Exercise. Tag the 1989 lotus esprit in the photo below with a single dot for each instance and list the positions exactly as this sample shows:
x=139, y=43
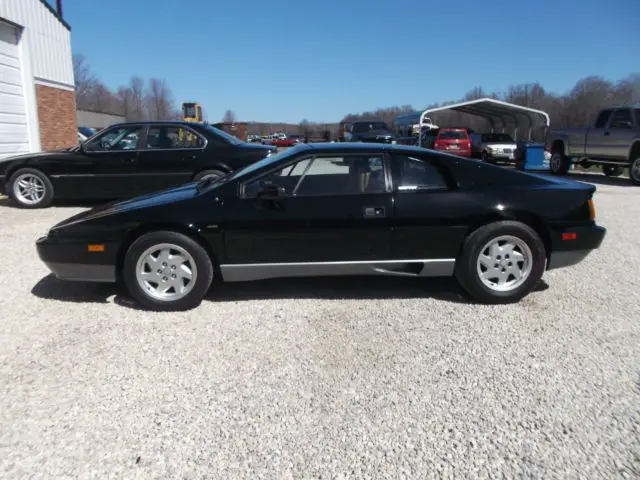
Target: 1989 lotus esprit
x=334, y=209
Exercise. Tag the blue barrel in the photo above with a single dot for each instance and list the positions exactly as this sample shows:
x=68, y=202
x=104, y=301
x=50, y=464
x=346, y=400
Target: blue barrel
x=530, y=156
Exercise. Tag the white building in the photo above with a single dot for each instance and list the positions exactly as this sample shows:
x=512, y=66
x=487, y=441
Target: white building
x=37, y=100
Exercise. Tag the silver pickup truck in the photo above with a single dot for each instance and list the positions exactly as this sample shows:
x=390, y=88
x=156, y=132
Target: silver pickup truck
x=613, y=142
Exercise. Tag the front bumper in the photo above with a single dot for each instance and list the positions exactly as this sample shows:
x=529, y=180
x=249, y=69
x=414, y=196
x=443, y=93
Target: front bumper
x=571, y=251
x=70, y=259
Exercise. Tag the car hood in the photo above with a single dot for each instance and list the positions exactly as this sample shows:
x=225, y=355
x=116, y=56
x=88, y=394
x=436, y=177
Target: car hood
x=34, y=155
x=183, y=192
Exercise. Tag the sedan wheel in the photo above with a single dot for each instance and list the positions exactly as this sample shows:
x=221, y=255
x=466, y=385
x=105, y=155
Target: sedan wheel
x=501, y=262
x=167, y=270
x=30, y=188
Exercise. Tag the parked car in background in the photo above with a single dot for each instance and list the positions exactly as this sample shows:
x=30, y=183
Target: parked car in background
x=374, y=131
x=84, y=133
x=613, y=142
x=312, y=208
x=125, y=160
x=493, y=147
x=285, y=141
x=453, y=140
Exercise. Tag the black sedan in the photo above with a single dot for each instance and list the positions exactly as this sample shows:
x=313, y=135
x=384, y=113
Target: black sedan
x=334, y=209
x=125, y=160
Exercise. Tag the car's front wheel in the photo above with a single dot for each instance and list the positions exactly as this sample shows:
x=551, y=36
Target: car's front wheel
x=501, y=262
x=167, y=270
x=559, y=163
x=30, y=188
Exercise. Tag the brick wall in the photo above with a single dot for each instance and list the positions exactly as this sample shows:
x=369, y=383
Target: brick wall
x=57, y=117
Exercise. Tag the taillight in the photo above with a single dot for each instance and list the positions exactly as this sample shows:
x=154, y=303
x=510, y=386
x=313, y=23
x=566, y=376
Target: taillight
x=592, y=209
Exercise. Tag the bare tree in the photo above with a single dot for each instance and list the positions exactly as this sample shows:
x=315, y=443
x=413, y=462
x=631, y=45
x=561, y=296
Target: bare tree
x=229, y=117
x=159, y=100
x=125, y=98
x=136, y=87
x=85, y=81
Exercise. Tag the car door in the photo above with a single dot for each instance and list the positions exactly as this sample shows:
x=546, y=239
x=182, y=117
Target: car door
x=330, y=208
x=597, y=140
x=169, y=157
x=105, y=165
x=620, y=134
x=429, y=213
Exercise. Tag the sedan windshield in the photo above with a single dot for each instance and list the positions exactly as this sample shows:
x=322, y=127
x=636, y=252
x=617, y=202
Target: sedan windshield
x=367, y=127
x=226, y=136
x=453, y=134
x=497, y=137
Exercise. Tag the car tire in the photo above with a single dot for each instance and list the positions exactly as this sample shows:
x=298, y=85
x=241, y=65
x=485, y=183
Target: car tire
x=148, y=270
x=30, y=188
x=208, y=174
x=559, y=163
x=612, y=170
x=634, y=170
x=522, y=251
x=486, y=158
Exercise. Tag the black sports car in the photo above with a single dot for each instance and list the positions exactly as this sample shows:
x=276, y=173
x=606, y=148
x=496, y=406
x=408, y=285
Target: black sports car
x=125, y=160
x=334, y=209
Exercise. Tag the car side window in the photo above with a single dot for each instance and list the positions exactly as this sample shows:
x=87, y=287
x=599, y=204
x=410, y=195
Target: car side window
x=115, y=139
x=321, y=176
x=622, y=119
x=603, y=118
x=169, y=137
x=415, y=174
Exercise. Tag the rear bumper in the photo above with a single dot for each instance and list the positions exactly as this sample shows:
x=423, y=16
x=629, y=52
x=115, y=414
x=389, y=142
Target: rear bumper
x=566, y=253
x=70, y=260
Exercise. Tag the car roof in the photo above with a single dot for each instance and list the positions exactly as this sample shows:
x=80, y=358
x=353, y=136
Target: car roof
x=157, y=122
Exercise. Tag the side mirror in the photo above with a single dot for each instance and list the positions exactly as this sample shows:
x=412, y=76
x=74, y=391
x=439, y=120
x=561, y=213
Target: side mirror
x=270, y=191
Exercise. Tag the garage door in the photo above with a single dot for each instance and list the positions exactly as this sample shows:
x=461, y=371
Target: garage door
x=13, y=114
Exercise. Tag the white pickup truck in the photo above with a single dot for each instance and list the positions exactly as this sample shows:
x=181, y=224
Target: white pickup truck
x=613, y=142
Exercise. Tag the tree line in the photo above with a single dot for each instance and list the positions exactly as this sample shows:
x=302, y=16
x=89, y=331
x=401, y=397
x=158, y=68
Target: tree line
x=137, y=100
x=153, y=100
x=575, y=108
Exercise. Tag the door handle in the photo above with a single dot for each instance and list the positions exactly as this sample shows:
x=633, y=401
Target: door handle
x=373, y=212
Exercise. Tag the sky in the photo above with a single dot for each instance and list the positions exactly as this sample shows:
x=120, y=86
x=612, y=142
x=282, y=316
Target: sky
x=284, y=61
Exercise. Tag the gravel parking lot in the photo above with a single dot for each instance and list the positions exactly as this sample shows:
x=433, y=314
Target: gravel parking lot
x=322, y=378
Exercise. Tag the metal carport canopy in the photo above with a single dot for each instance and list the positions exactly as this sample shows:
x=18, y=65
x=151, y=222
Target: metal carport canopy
x=492, y=110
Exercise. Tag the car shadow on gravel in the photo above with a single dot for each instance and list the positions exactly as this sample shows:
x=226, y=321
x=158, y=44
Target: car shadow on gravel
x=322, y=288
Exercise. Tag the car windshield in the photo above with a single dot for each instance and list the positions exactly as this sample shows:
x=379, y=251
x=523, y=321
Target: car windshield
x=497, y=137
x=369, y=126
x=453, y=134
x=221, y=133
x=265, y=162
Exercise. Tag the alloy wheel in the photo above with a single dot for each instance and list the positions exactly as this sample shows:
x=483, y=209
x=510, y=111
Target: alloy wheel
x=29, y=189
x=166, y=272
x=504, y=263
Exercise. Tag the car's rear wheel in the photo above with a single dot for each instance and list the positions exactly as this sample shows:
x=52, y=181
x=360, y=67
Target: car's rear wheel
x=634, y=170
x=166, y=270
x=30, y=188
x=612, y=170
x=212, y=174
x=501, y=262
x=559, y=163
